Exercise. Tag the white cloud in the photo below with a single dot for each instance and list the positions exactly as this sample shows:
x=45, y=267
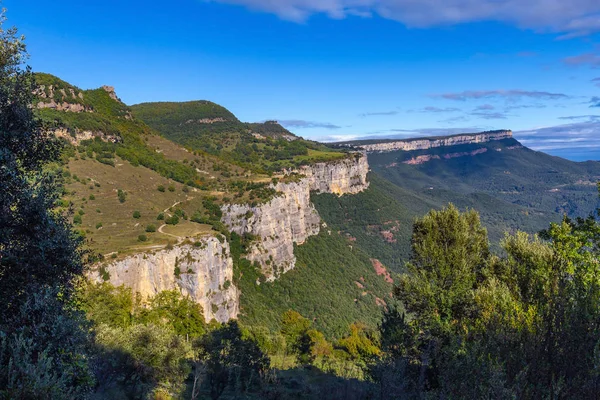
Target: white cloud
x=571, y=18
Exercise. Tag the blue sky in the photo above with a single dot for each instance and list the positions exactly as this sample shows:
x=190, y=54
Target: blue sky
x=342, y=69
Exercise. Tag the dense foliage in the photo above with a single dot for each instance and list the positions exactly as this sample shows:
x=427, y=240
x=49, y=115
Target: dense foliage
x=478, y=326
x=42, y=341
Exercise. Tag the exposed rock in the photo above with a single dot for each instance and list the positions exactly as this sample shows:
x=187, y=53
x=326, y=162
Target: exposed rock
x=286, y=219
x=348, y=176
x=381, y=270
x=75, y=137
x=428, y=157
x=64, y=106
x=111, y=92
x=426, y=143
x=204, y=273
x=290, y=218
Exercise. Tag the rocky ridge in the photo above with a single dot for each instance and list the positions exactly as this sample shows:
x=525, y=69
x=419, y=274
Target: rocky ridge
x=429, y=143
x=290, y=218
x=203, y=271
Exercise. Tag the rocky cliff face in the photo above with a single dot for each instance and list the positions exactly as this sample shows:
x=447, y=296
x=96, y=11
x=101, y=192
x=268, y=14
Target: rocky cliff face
x=424, y=144
x=348, y=176
x=290, y=218
x=77, y=136
x=203, y=271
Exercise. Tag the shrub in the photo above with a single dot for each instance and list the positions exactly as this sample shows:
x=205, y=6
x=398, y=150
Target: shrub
x=99, y=225
x=81, y=212
x=92, y=197
x=171, y=188
x=77, y=220
x=142, y=238
x=161, y=188
x=136, y=214
x=151, y=228
x=174, y=220
x=160, y=217
x=121, y=195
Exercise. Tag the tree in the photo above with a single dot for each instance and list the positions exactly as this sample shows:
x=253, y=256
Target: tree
x=43, y=342
x=37, y=246
x=231, y=360
x=523, y=326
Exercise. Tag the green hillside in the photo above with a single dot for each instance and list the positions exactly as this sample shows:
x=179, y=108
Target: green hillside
x=511, y=187
x=206, y=126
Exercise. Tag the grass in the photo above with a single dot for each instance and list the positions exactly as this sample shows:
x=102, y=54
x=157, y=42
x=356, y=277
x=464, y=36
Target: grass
x=119, y=231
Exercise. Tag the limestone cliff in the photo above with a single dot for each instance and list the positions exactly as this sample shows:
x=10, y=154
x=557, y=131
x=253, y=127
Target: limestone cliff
x=429, y=143
x=290, y=218
x=203, y=271
x=348, y=176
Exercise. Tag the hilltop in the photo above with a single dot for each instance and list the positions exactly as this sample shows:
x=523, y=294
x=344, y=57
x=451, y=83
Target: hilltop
x=265, y=147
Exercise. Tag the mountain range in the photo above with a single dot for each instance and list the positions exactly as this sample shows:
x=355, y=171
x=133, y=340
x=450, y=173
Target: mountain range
x=250, y=220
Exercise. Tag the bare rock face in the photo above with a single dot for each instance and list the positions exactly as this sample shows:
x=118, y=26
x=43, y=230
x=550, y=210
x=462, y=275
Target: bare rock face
x=75, y=137
x=111, y=92
x=424, y=144
x=290, y=218
x=348, y=176
x=203, y=272
x=64, y=106
x=286, y=219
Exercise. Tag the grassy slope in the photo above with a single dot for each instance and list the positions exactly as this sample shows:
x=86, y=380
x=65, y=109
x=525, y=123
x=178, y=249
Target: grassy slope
x=202, y=125
x=323, y=288
x=120, y=231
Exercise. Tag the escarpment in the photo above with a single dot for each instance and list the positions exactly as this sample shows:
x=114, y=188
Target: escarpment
x=203, y=271
x=290, y=218
x=430, y=143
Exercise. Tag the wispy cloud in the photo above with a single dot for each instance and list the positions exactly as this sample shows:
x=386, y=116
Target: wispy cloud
x=594, y=102
x=570, y=18
x=489, y=115
x=435, y=110
x=506, y=94
x=379, y=113
x=576, y=117
x=596, y=81
x=485, y=107
x=591, y=59
x=522, y=106
x=576, y=135
x=303, y=124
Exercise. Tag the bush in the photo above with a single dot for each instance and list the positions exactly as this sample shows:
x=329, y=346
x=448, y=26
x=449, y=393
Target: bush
x=160, y=217
x=99, y=225
x=92, y=197
x=161, y=188
x=174, y=220
x=151, y=228
x=142, y=238
x=171, y=188
x=136, y=214
x=77, y=220
x=121, y=195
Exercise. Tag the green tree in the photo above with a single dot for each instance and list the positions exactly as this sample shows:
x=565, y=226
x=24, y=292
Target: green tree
x=37, y=246
x=231, y=360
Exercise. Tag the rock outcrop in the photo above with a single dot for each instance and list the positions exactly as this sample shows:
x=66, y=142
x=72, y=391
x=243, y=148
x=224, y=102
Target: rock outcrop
x=290, y=218
x=203, y=271
x=348, y=176
x=429, y=143
x=76, y=136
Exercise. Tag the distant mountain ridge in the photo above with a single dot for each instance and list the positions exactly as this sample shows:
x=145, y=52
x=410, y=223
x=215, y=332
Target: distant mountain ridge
x=425, y=143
